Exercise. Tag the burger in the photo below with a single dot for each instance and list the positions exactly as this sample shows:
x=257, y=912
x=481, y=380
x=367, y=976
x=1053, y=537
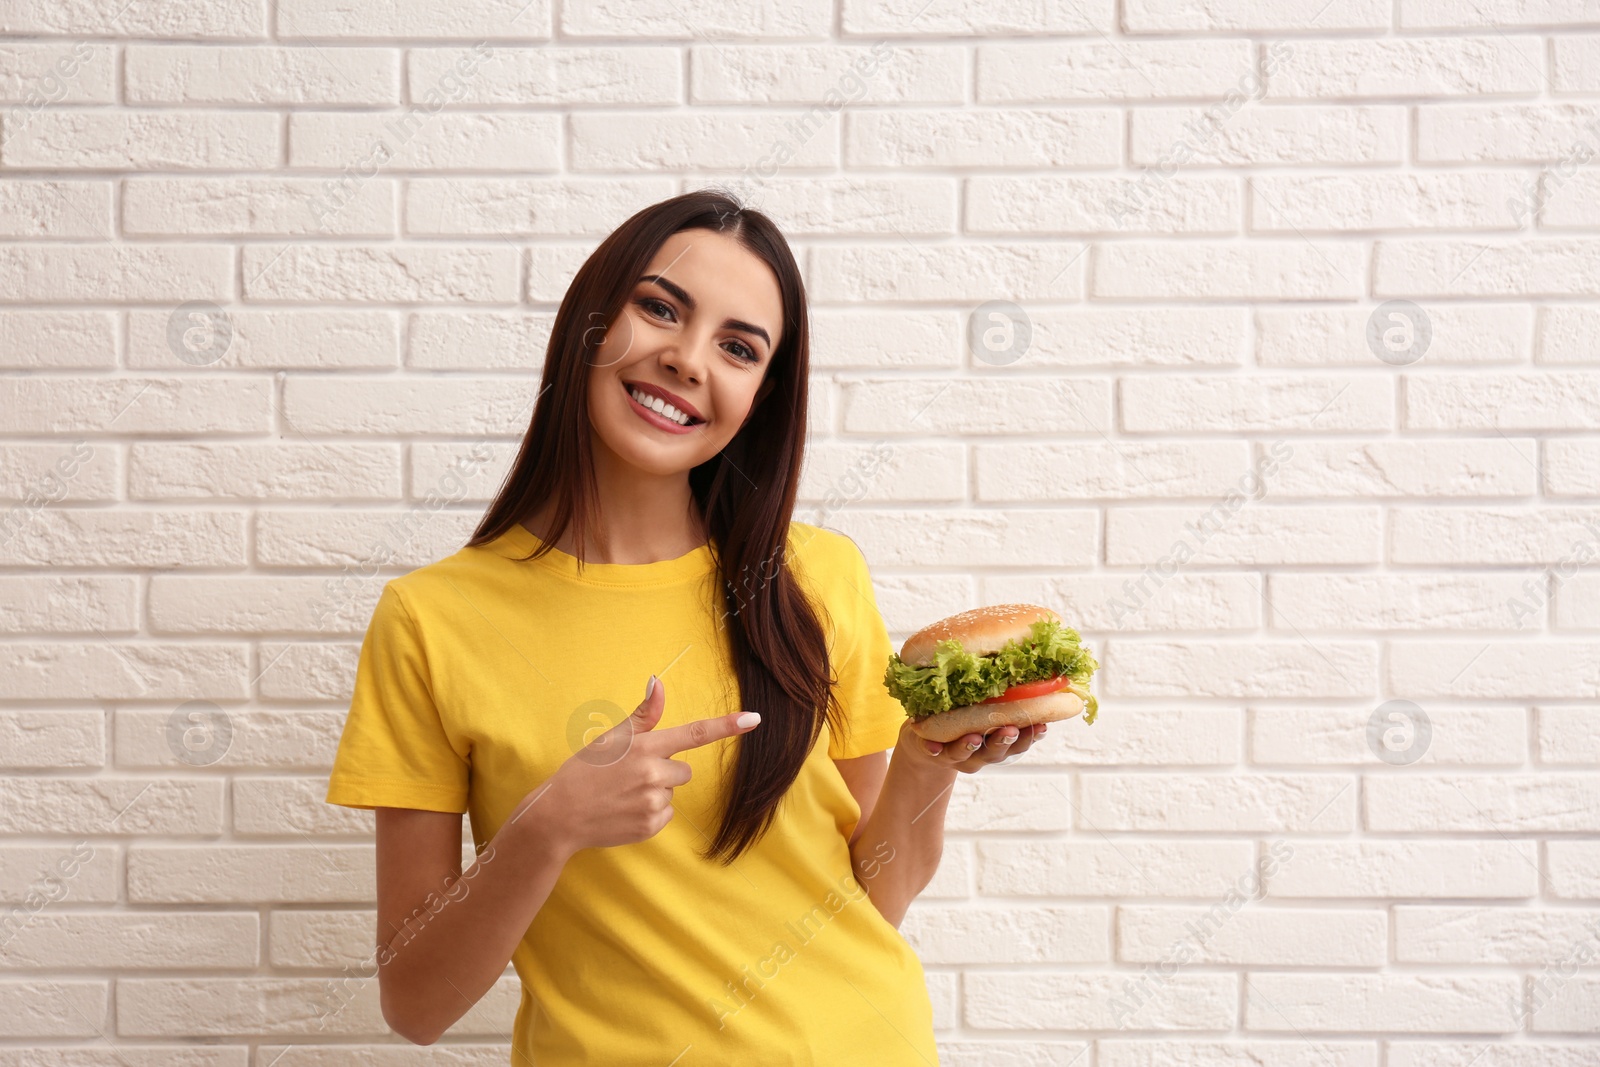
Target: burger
x=1000, y=665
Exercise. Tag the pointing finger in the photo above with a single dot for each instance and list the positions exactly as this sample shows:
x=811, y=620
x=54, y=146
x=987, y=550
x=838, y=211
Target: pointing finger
x=701, y=732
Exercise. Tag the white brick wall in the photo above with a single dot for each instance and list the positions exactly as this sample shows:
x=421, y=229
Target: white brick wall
x=1264, y=530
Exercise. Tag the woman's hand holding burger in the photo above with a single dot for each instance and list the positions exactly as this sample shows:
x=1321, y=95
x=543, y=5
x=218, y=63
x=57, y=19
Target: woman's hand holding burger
x=981, y=686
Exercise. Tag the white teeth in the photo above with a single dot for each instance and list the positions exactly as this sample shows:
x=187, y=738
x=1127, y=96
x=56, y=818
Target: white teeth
x=660, y=407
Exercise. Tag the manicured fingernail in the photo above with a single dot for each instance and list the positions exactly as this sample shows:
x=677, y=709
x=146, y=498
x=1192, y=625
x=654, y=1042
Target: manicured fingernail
x=749, y=718
x=650, y=687
x=933, y=747
x=1007, y=740
x=973, y=747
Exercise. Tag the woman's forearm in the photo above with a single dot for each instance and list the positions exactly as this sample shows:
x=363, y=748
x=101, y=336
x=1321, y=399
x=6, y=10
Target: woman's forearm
x=908, y=817
x=453, y=948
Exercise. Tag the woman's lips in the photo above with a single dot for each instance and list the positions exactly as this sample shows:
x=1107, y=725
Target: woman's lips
x=660, y=422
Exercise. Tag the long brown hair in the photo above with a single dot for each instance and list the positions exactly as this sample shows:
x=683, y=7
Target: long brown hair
x=746, y=494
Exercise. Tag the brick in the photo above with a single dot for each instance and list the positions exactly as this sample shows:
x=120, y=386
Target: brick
x=1097, y=1001
x=53, y=1008
x=1503, y=133
x=274, y=604
x=79, y=873
x=323, y=939
x=1338, y=736
x=861, y=205
x=1574, y=868
x=51, y=340
x=477, y=340
x=1385, y=68
x=806, y=74
x=249, y=207
x=1140, y=668
x=874, y=338
x=1069, y=137
x=410, y=406
x=1219, y=270
x=1406, y=1003
x=107, y=670
x=1019, y=405
x=912, y=17
x=1516, y=669
x=1540, y=400
x=123, y=538
x=1009, y=803
x=1296, y=204
x=1567, y=335
x=630, y=142
x=1152, y=16
x=1572, y=1007
x=132, y=942
x=1409, y=868
x=34, y=476
x=1418, y=14
x=245, y=472
x=847, y=474
x=251, y=874
x=559, y=77
x=1265, y=403
x=1255, y=535
x=51, y=740
x=1568, y=735
x=532, y=207
x=1522, y=937
x=1254, y=134
x=1010, y=934
x=1525, y=803
x=1493, y=535
x=288, y=339
x=111, y=806
x=1074, y=205
x=551, y=269
x=1032, y=537
x=1338, y=336
x=713, y=18
x=366, y=142
x=1564, y=203
x=1089, y=867
x=1180, y=803
x=1457, y=467
x=381, y=273
x=100, y=406
x=140, y=140
x=68, y=604
x=41, y=273
x=37, y=75
x=1032, y=73
x=1242, y=934
x=1299, y=1052
x=470, y=19
x=51, y=209
x=1353, y=603
x=356, y=540
x=229, y=19
x=1421, y=268
x=203, y=74
x=1079, y=470
x=307, y=671
x=288, y=739
x=945, y=273
x=1575, y=63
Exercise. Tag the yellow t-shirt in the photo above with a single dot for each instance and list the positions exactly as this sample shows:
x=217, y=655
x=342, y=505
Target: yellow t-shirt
x=480, y=674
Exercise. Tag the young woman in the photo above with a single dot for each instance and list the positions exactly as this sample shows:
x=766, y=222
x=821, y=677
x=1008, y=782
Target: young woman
x=715, y=874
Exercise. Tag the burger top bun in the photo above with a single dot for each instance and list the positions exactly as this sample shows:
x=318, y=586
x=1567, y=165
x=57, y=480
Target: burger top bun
x=981, y=631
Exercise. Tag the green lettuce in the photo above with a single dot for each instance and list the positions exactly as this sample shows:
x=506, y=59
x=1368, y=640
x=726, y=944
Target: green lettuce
x=958, y=678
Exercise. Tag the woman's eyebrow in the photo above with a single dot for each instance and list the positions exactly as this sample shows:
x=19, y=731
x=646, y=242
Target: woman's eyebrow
x=687, y=301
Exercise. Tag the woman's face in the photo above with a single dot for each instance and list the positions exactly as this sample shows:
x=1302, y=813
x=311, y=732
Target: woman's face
x=701, y=324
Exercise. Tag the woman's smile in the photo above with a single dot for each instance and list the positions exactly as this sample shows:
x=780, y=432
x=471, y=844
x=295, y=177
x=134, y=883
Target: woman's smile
x=655, y=418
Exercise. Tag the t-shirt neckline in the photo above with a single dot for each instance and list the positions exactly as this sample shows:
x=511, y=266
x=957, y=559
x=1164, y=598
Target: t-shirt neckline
x=520, y=541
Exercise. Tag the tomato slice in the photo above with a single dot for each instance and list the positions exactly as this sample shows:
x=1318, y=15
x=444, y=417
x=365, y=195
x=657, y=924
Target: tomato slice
x=1031, y=689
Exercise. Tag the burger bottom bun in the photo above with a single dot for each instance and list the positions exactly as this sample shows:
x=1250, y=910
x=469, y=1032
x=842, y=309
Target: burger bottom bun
x=981, y=718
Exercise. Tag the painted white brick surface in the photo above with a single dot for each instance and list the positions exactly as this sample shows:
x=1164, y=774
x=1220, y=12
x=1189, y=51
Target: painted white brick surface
x=1308, y=422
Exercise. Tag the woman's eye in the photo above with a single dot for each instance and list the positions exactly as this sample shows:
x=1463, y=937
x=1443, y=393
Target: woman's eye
x=659, y=308
x=742, y=350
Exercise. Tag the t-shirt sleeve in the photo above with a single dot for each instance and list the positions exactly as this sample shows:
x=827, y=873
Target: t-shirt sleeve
x=394, y=751
x=861, y=655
